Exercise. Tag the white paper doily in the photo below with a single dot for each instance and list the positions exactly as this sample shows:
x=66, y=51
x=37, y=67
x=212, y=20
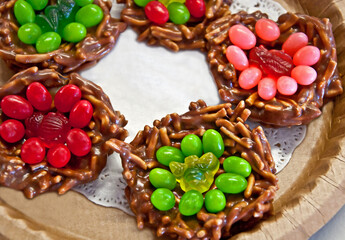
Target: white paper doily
x=145, y=83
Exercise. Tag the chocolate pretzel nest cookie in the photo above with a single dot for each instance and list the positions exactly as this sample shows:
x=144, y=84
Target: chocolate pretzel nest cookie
x=173, y=24
x=63, y=35
x=53, y=129
x=285, y=70
x=207, y=190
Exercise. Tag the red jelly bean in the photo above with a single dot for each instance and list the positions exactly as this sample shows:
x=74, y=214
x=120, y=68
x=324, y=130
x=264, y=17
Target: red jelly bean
x=33, y=123
x=16, y=107
x=67, y=97
x=249, y=78
x=81, y=114
x=294, y=43
x=267, y=30
x=197, y=8
x=242, y=37
x=237, y=57
x=156, y=12
x=78, y=142
x=304, y=75
x=38, y=96
x=12, y=130
x=58, y=156
x=308, y=55
x=33, y=151
x=286, y=85
x=267, y=88
x=54, y=129
x=274, y=62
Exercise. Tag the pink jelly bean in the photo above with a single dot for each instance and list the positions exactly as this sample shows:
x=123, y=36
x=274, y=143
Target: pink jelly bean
x=242, y=37
x=237, y=57
x=304, y=75
x=267, y=30
x=267, y=88
x=249, y=78
x=286, y=85
x=308, y=55
x=294, y=43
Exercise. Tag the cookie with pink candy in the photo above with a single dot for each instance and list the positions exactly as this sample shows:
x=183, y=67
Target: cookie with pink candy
x=285, y=70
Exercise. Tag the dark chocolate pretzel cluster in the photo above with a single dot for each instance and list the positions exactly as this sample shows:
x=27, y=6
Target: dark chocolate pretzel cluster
x=242, y=211
x=173, y=36
x=305, y=104
x=34, y=179
x=69, y=57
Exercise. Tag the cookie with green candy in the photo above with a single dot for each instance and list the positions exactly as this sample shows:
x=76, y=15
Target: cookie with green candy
x=174, y=24
x=200, y=175
x=64, y=35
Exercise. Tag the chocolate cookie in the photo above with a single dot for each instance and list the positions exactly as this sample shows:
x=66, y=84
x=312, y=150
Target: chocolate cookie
x=70, y=56
x=38, y=162
x=242, y=210
x=281, y=110
x=189, y=35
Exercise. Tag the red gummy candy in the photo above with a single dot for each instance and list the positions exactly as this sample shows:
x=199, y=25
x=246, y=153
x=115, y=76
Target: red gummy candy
x=274, y=63
x=54, y=129
x=33, y=123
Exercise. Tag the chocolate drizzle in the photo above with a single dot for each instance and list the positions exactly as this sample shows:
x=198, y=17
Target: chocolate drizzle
x=69, y=57
x=242, y=210
x=170, y=35
x=105, y=124
x=304, y=105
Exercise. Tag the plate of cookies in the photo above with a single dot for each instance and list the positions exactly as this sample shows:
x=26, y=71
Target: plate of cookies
x=170, y=119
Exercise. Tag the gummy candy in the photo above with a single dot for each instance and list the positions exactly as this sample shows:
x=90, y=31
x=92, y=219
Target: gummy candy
x=196, y=173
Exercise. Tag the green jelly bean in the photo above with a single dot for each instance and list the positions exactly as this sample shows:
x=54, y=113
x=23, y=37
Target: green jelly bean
x=237, y=165
x=74, y=32
x=191, y=145
x=38, y=5
x=215, y=201
x=213, y=142
x=29, y=33
x=163, y=199
x=167, y=154
x=90, y=15
x=43, y=22
x=142, y=3
x=23, y=12
x=167, y=2
x=162, y=178
x=178, y=13
x=83, y=3
x=231, y=183
x=191, y=203
x=48, y=42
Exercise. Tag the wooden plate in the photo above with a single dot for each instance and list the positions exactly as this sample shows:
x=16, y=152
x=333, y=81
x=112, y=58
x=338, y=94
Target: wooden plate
x=312, y=186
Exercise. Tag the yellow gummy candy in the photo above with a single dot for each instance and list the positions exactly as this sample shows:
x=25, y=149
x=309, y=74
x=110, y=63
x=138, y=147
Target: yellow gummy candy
x=196, y=173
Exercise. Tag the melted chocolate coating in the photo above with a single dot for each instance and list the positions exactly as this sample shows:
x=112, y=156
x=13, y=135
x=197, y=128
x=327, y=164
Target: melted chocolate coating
x=305, y=104
x=69, y=57
x=242, y=210
x=172, y=36
x=105, y=124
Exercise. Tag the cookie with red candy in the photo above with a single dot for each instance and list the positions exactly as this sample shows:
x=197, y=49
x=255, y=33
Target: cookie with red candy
x=174, y=24
x=52, y=131
x=285, y=70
